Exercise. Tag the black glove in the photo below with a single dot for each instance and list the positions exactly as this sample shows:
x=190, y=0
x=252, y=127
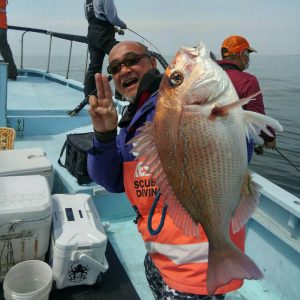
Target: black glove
x=121, y=32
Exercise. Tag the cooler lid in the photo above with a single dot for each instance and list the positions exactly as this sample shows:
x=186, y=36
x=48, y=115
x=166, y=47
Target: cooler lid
x=23, y=161
x=24, y=198
x=76, y=223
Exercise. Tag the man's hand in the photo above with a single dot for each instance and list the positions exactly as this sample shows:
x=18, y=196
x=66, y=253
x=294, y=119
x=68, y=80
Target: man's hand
x=102, y=111
x=270, y=145
x=120, y=31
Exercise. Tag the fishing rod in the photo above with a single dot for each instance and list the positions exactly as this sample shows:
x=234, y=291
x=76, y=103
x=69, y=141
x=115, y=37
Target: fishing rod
x=85, y=101
x=286, y=159
x=259, y=150
x=143, y=39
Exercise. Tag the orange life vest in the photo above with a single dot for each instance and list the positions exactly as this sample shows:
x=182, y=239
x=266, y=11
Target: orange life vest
x=181, y=259
x=3, y=20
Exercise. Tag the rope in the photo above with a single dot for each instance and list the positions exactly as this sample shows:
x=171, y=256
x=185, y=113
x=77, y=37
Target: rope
x=163, y=216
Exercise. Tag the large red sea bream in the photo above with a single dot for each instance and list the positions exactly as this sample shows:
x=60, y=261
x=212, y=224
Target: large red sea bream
x=196, y=151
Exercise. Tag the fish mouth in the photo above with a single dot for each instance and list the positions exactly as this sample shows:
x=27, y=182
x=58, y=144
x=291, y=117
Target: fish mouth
x=192, y=51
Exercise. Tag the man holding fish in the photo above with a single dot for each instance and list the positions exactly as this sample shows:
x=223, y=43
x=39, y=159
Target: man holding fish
x=185, y=136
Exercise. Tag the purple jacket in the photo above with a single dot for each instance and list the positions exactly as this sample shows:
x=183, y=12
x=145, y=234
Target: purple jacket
x=245, y=85
x=105, y=160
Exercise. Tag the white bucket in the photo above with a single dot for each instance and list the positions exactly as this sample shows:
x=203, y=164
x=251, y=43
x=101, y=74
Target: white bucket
x=28, y=280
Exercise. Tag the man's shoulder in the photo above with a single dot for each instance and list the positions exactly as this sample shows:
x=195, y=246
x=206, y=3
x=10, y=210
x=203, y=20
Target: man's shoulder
x=249, y=77
x=243, y=76
x=246, y=74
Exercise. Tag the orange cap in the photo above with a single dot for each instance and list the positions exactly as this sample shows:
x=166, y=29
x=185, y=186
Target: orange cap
x=236, y=44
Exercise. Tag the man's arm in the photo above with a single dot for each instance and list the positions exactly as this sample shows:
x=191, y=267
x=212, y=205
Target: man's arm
x=112, y=15
x=105, y=165
x=105, y=162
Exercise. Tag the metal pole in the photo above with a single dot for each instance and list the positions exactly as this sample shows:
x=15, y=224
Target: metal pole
x=49, y=53
x=86, y=63
x=69, y=61
x=3, y=93
x=22, y=49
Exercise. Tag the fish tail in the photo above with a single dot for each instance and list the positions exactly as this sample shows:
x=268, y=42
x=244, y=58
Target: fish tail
x=229, y=264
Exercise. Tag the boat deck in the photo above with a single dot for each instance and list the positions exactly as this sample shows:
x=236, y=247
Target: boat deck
x=37, y=94
x=39, y=103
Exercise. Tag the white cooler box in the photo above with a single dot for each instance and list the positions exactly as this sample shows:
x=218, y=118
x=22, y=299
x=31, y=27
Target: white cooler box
x=25, y=219
x=78, y=241
x=29, y=161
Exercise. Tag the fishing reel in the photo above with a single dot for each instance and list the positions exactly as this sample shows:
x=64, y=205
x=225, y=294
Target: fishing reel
x=259, y=150
x=119, y=31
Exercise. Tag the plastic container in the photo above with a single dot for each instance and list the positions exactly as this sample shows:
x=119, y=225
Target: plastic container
x=28, y=280
x=25, y=220
x=28, y=161
x=78, y=241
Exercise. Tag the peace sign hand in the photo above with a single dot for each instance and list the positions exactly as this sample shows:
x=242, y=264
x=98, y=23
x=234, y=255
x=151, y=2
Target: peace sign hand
x=102, y=110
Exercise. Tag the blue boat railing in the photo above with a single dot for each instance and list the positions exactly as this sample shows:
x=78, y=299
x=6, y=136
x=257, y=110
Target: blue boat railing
x=70, y=37
x=3, y=93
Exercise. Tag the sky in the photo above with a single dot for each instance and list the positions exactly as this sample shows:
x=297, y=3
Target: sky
x=270, y=26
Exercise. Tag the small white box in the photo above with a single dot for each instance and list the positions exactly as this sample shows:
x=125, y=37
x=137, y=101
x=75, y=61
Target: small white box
x=25, y=219
x=78, y=241
x=28, y=161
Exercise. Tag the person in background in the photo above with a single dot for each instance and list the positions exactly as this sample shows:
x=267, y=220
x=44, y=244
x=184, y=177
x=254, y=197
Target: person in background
x=5, y=50
x=102, y=18
x=235, y=51
x=175, y=264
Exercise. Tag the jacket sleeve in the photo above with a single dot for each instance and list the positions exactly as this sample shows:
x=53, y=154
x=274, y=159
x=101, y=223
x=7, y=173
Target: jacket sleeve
x=112, y=15
x=105, y=165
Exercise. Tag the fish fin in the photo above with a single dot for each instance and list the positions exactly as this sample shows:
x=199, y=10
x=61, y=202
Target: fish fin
x=246, y=100
x=252, y=132
x=248, y=202
x=144, y=146
x=181, y=218
x=220, y=111
x=257, y=122
x=228, y=263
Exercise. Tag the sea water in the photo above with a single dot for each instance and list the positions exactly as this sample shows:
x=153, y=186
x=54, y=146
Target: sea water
x=279, y=78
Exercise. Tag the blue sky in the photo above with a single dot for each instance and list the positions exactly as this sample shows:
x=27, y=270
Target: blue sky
x=271, y=26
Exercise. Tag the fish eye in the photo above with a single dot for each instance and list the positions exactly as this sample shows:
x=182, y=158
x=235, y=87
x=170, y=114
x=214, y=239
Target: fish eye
x=176, y=78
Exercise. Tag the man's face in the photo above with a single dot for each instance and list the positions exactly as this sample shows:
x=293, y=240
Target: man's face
x=127, y=78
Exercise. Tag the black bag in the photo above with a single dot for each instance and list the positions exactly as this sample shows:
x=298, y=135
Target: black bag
x=76, y=146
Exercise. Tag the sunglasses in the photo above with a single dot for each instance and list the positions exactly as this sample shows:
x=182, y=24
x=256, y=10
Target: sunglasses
x=131, y=59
